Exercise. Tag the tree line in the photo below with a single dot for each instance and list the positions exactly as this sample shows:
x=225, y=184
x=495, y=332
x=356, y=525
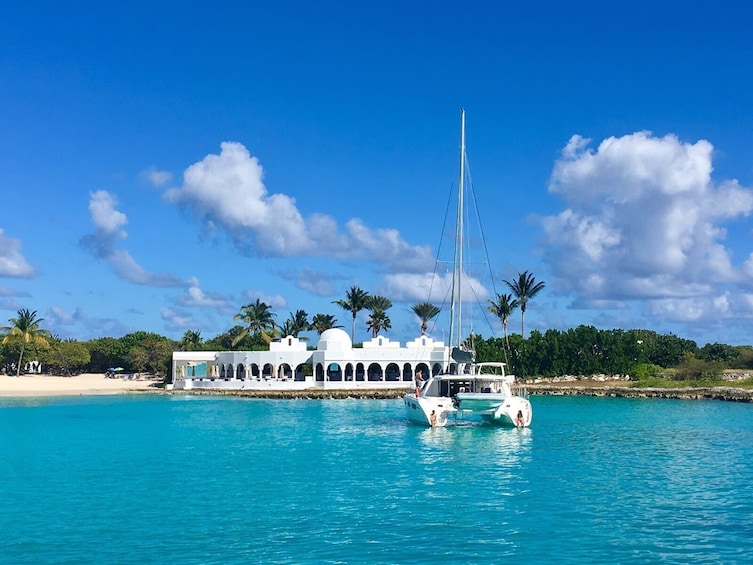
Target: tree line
x=584, y=350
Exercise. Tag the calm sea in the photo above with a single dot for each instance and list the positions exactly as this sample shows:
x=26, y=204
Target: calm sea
x=159, y=479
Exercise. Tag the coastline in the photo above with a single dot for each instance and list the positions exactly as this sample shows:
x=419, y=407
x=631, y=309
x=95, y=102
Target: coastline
x=86, y=384
x=730, y=394
x=558, y=389
x=95, y=384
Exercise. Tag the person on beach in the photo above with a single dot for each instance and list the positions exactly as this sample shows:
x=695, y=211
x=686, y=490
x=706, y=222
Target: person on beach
x=433, y=419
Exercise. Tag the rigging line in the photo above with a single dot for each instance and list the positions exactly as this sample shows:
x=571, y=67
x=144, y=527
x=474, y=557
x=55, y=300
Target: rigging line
x=485, y=260
x=481, y=229
x=484, y=313
x=441, y=238
x=442, y=304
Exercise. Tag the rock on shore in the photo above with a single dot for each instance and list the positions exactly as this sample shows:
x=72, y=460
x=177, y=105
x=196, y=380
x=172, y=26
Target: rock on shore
x=698, y=393
x=599, y=388
x=317, y=394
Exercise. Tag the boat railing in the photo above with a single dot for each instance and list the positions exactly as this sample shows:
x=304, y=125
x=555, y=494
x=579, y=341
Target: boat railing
x=519, y=389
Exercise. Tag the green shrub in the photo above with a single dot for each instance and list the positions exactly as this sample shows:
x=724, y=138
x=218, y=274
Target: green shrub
x=694, y=369
x=644, y=371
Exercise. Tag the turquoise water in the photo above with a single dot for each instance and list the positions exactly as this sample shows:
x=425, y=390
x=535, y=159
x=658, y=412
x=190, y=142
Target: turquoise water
x=161, y=479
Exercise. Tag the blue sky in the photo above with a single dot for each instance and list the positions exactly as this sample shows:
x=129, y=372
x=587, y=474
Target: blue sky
x=162, y=165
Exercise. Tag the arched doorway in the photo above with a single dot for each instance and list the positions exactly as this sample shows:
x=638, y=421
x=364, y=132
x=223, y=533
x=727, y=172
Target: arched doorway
x=334, y=372
x=392, y=373
x=375, y=372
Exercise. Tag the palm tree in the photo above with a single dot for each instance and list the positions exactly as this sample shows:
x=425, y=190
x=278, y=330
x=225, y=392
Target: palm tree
x=378, y=321
x=524, y=289
x=25, y=328
x=259, y=319
x=323, y=322
x=378, y=303
x=502, y=308
x=356, y=300
x=287, y=328
x=297, y=323
x=191, y=341
x=425, y=311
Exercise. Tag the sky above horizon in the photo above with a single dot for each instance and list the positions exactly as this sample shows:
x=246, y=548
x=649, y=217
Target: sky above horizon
x=162, y=165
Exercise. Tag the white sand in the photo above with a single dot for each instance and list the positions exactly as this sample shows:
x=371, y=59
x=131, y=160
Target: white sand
x=86, y=384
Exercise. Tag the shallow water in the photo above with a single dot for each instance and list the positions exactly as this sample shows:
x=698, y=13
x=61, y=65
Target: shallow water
x=229, y=480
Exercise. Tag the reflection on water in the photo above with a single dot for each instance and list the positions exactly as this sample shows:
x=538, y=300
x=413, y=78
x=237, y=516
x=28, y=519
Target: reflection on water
x=491, y=441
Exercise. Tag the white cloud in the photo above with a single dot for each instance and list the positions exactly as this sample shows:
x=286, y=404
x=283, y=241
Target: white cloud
x=643, y=221
x=227, y=191
x=196, y=297
x=273, y=300
x=178, y=320
x=12, y=262
x=157, y=178
x=315, y=282
x=432, y=288
x=105, y=217
x=108, y=228
x=714, y=310
x=57, y=316
x=60, y=321
x=5, y=291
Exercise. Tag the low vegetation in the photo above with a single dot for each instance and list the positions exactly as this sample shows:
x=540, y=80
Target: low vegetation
x=651, y=359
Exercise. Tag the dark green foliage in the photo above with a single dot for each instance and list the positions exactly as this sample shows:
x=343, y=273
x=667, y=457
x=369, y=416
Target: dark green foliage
x=670, y=349
x=692, y=368
x=233, y=340
x=745, y=357
x=106, y=352
x=152, y=355
x=67, y=357
x=719, y=352
x=586, y=350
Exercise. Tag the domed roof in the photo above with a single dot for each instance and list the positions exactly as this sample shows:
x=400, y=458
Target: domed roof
x=334, y=338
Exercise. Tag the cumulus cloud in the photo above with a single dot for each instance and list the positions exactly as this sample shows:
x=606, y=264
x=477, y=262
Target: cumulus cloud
x=108, y=229
x=12, y=262
x=195, y=297
x=228, y=192
x=644, y=220
x=433, y=288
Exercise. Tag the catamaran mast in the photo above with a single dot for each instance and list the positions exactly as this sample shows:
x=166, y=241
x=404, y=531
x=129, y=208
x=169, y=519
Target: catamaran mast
x=458, y=267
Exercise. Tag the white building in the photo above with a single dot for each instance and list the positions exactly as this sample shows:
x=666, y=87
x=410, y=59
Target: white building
x=289, y=365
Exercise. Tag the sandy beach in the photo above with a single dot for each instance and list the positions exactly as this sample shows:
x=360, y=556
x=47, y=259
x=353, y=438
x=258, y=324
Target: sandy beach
x=80, y=385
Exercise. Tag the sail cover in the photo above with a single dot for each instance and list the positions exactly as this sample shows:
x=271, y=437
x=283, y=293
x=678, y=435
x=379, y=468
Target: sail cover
x=462, y=356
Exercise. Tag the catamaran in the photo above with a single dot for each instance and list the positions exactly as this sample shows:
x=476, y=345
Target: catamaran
x=466, y=390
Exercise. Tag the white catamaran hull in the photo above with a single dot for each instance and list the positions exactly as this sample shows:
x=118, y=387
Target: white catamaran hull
x=496, y=408
x=418, y=409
